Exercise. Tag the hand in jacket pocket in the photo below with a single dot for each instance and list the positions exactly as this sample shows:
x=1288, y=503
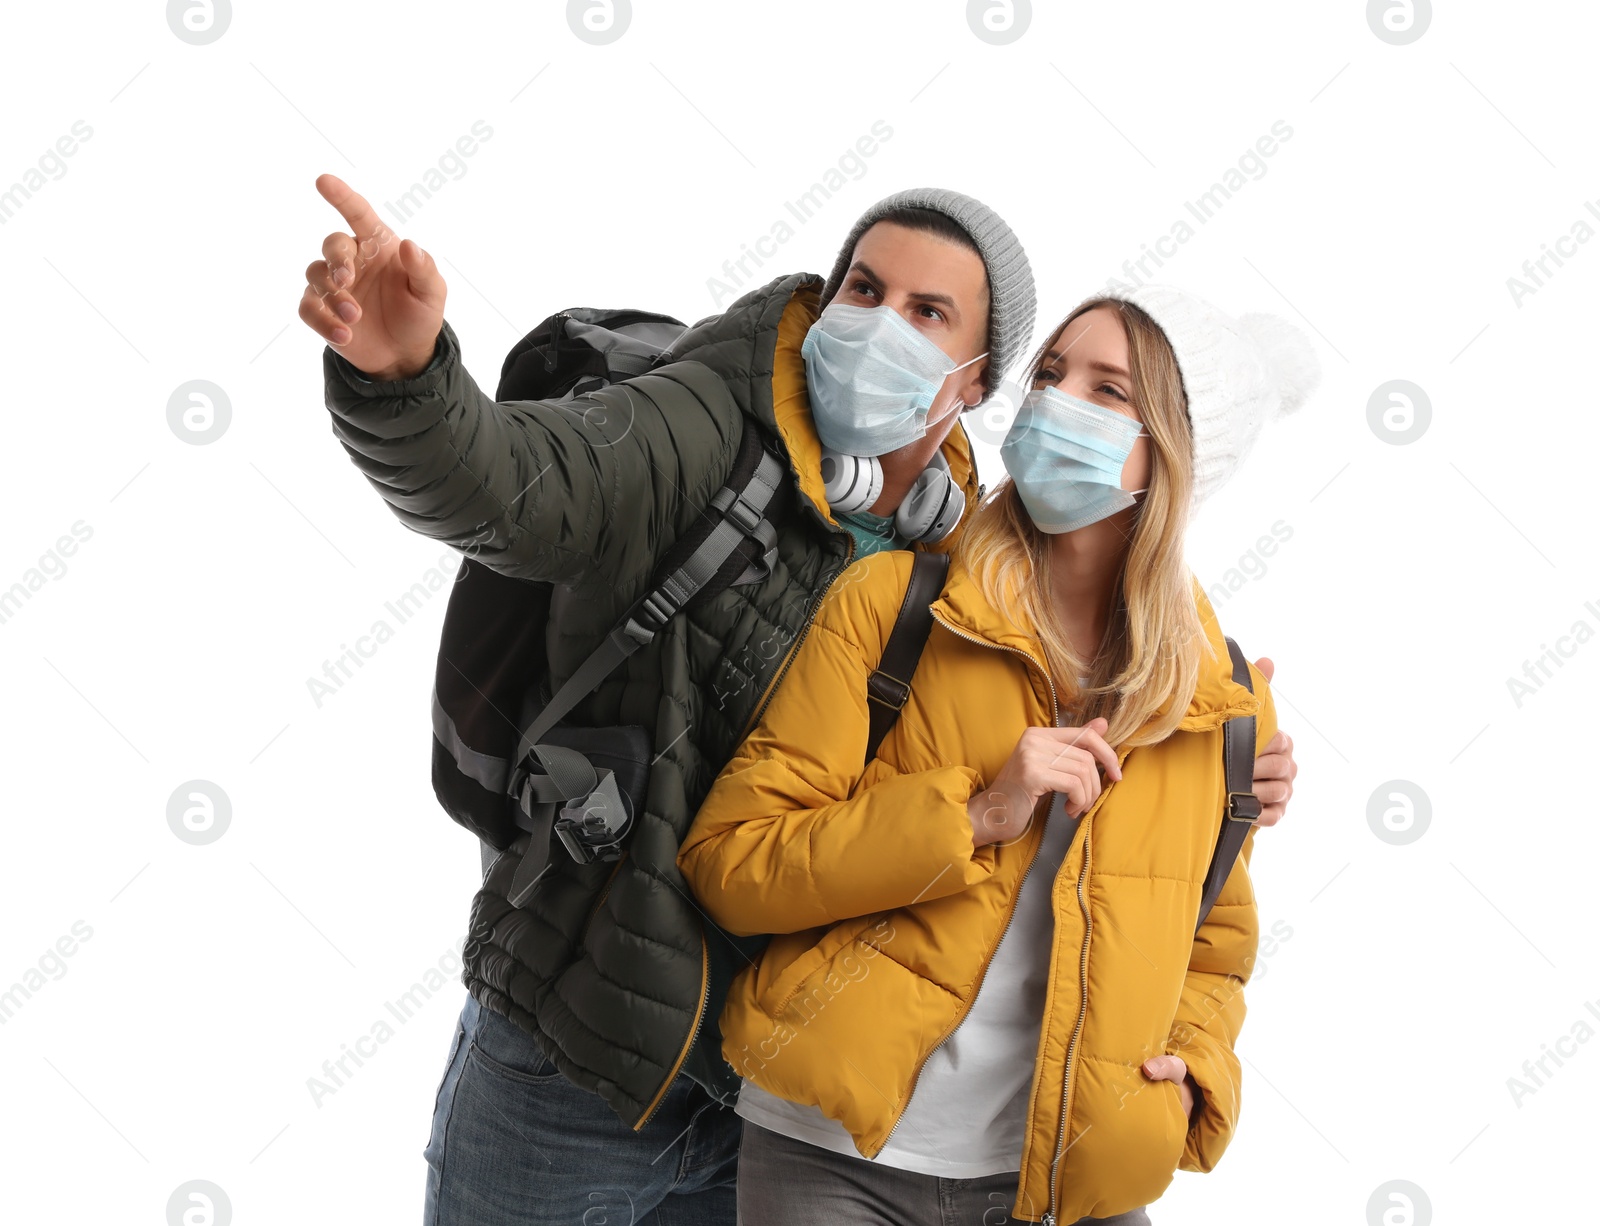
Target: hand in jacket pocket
x=1173, y=1068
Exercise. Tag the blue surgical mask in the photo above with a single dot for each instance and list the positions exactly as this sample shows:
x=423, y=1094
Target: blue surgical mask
x=1066, y=457
x=872, y=378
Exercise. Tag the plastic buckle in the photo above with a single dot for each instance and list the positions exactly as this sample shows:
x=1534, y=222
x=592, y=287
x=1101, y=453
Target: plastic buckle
x=654, y=612
x=585, y=852
x=640, y=634
x=585, y=823
x=1243, y=806
x=888, y=689
x=659, y=607
x=576, y=847
x=744, y=516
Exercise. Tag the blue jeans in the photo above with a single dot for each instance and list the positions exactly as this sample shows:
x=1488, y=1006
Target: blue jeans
x=514, y=1143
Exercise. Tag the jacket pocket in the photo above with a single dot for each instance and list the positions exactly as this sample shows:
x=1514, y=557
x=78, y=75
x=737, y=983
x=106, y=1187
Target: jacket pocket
x=1179, y=1132
x=1130, y=1130
x=791, y=980
x=1165, y=1140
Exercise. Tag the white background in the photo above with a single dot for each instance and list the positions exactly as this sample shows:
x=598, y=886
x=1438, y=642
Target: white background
x=177, y=1040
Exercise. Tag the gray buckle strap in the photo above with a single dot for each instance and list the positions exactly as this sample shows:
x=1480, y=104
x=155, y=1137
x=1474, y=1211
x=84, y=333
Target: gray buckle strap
x=570, y=783
x=603, y=660
x=734, y=507
x=767, y=537
x=568, y=776
x=742, y=515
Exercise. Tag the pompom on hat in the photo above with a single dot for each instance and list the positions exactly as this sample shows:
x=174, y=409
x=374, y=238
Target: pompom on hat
x=1238, y=374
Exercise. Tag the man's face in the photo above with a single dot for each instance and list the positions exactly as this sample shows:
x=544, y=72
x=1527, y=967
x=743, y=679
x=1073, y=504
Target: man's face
x=941, y=289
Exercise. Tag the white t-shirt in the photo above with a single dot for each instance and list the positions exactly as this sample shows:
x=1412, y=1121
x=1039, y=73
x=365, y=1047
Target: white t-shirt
x=968, y=1112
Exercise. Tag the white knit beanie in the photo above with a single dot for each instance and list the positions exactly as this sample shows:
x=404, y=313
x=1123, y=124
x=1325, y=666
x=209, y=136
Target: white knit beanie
x=1238, y=374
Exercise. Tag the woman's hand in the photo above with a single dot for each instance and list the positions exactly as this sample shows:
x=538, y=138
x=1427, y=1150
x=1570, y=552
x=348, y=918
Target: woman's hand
x=1275, y=768
x=377, y=299
x=1173, y=1068
x=1274, y=778
x=1045, y=760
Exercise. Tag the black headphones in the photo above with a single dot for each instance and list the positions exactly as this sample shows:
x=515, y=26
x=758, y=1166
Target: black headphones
x=930, y=510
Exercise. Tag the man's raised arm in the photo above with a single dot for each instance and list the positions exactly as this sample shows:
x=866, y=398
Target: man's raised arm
x=532, y=489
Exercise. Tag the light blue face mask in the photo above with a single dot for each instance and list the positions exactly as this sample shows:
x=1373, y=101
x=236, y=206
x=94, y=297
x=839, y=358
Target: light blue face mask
x=1066, y=457
x=872, y=378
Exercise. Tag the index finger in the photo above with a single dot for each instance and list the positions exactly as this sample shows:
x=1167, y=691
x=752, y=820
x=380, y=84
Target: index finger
x=1096, y=745
x=1275, y=753
x=352, y=205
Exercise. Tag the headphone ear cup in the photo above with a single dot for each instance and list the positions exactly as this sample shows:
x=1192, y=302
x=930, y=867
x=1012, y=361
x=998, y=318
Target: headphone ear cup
x=946, y=522
x=932, y=507
x=850, y=483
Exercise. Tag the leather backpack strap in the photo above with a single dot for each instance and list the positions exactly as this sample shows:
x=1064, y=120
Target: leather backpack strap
x=1243, y=806
x=889, y=685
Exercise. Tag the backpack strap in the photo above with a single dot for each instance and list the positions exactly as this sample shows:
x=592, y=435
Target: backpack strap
x=1243, y=806
x=702, y=564
x=889, y=685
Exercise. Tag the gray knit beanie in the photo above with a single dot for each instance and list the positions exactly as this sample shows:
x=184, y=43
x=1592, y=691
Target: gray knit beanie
x=1011, y=298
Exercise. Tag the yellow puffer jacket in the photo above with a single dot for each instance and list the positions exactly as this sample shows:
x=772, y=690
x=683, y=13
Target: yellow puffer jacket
x=887, y=916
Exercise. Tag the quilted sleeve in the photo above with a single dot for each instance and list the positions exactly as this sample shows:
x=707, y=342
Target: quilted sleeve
x=536, y=489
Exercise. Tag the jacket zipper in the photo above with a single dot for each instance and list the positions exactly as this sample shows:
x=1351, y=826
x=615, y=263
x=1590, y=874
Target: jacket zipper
x=558, y=334
x=1055, y=716
x=705, y=996
x=1049, y=1218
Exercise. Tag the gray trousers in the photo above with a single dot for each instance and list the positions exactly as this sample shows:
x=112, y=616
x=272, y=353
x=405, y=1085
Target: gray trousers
x=784, y=1182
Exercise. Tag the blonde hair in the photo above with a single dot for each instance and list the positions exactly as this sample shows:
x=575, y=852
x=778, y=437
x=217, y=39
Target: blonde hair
x=1153, y=643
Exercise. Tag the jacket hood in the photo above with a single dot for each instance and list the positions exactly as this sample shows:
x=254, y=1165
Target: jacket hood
x=1217, y=697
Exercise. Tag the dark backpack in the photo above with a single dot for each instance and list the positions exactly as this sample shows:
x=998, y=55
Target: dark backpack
x=491, y=678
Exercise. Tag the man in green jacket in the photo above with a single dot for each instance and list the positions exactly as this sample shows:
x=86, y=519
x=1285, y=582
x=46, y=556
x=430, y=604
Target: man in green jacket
x=586, y=1075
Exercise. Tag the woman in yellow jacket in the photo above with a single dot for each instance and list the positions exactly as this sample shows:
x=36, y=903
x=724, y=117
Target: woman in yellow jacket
x=986, y=994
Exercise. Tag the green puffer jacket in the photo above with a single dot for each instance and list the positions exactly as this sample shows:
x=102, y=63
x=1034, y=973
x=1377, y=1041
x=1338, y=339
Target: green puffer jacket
x=612, y=966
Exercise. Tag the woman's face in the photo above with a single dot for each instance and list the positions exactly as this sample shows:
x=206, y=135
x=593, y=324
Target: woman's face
x=1089, y=360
